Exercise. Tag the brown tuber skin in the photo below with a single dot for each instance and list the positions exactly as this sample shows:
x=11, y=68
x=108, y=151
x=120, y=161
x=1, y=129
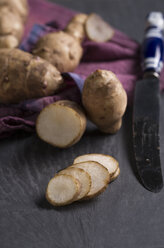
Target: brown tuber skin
x=63, y=49
x=24, y=76
x=76, y=27
x=104, y=100
x=60, y=49
x=18, y=7
x=13, y=14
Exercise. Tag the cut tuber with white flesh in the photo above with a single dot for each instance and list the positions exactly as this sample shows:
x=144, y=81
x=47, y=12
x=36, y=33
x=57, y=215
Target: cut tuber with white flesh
x=61, y=124
x=107, y=161
x=97, y=29
x=116, y=174
x=82, y=176
x=100, y=177
x=62, y=190
x=88, y=177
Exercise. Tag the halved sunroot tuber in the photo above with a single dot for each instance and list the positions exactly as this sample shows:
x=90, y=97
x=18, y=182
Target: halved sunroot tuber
x=97, y=29
x=62, y=190
x=104, y=100
x=61, y=124
x=107, y=161
x=63, y=48
x=82, y=176
x=24, y=76
x=99, y=176
x=13, y=14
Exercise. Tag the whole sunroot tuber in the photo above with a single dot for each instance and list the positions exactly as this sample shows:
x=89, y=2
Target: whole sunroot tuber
x=19, y=7
x=13, y=14
x=104, y=100
x=24, y=76
x=63, y=48
x=60, y=49
x=76, y=27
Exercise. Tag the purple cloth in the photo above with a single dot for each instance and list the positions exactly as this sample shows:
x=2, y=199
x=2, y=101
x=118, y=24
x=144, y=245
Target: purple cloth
x=121, y=55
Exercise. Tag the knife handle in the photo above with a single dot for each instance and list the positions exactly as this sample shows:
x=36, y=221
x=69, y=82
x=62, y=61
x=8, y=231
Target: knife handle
x=153, y=45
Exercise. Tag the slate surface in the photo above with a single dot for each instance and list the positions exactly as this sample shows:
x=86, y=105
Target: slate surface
x=125, y=215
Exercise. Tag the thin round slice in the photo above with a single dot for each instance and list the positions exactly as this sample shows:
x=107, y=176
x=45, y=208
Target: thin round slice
x=62, y=190
x=107, y=161
x=97, y=29
x=61, y=124
x=82, y=176
x=116, y=174
x=99, y=177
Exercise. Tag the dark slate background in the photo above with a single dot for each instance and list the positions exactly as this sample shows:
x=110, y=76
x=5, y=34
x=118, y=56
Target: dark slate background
x=125, y=215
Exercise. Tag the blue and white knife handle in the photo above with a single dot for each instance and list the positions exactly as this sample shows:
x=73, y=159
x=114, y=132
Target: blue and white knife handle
x=153, y=45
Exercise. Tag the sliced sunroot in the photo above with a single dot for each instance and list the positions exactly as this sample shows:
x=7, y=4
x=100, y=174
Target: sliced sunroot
x=107, y=161
x=116, y=174
x=99, y=177
x=62, y=190
x=82, y=176
x=97, y=29
x=82, y=180
x=61, y=124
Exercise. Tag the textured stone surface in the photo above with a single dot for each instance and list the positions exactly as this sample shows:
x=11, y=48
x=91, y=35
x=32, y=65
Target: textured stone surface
x=125, y=215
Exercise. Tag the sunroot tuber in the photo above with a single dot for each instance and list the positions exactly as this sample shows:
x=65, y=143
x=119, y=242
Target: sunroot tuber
x=13, y=14
x=104, y=100
x=63, y=49
x=24, y=76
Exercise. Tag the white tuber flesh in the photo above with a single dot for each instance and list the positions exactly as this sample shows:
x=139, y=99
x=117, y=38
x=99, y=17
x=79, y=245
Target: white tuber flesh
x=82, y=180
x=107, y=161
x=61, y=124
x=82, y=176
x=62, y=190
x=97, y=29
x=99, y=176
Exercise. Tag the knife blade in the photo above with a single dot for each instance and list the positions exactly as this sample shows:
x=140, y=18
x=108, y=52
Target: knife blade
x=146, y=109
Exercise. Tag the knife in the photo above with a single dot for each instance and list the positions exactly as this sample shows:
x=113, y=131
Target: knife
x=146, y=109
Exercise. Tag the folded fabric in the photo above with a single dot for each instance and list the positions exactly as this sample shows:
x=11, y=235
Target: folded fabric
x=120, y=55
